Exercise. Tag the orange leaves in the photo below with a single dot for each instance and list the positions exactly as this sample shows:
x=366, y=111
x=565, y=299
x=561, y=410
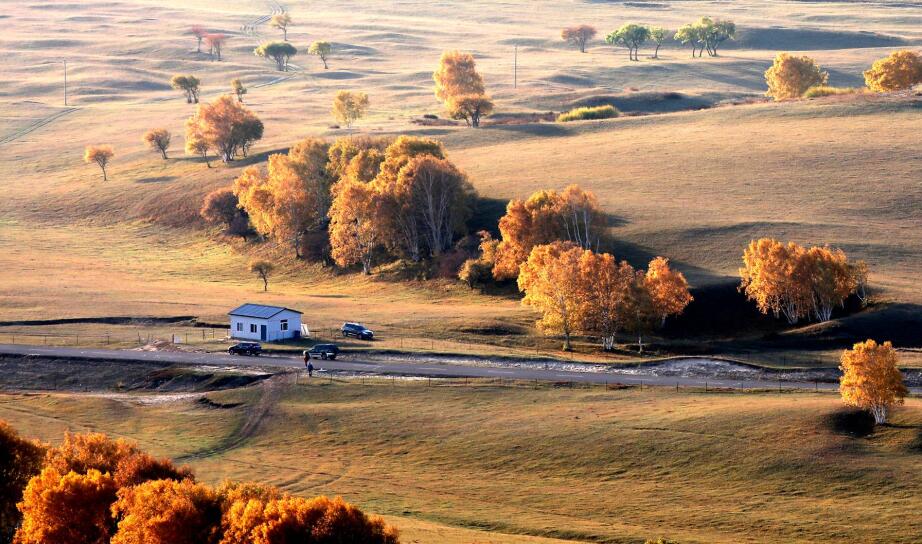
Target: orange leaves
x=870, y=378
x=67, y=509
x=355, y=218
x=791, y=280
x=790, y=76
x=167, y=512
x=900, y=70
x=20, y=460
x=226, y=126
x=460, y=87
x=101, y=155
x=667, y=288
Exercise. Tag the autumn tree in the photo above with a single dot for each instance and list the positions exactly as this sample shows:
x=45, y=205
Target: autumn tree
x=831, y=279
x=546, y=216
x=479, y=270
x=280, y=52
x=293, y=198
x=99, y=154
x=578, y=36
x=349, y=106
x=167, y=512
x=199, y=32
x=281, y=21
x=20, y=460
x=631, y=36
x=606, y=287
x=460, y=87
x=226, y=126
x=658, y=35
x=550, y=281
x=293, y=519
x=238, y=89
x=220, y=207
x=668, y=289
x=901, y=70
x=322, y=50
x=355, y=223
x=692, y=34
x=196, y=144
x=215, y=44
x=356, y=157
x=859, y=271
x=188, y=84
x=790, y=76
x=871, y=379
x=159, y=140
x=69, y=508
x=263, y=269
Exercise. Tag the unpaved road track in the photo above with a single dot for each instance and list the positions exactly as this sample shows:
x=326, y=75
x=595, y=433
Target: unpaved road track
x=353, y=364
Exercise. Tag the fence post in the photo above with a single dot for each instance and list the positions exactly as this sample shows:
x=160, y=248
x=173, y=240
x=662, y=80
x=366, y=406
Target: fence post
x=676, y=387
x=705, y=386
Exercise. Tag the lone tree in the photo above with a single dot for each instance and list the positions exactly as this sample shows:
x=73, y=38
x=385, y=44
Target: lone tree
x=215, y=43
x=280, y=52
x=870, y=378
x=239, y=89
x=281, y=22
x=579, y=36
x=158, y=139
x=901, y=70
x=658, y=35
x=262, y=269
x=460, y=87
x=631, y=36
x=188, y=84
x=322, y=50
x=101, y=155
x=349, y=107
x=790, y=76
x=199, y=32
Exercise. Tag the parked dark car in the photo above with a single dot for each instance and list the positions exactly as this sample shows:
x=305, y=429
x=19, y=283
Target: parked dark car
x=357, y=330
x=324, y=351
x=245, y=348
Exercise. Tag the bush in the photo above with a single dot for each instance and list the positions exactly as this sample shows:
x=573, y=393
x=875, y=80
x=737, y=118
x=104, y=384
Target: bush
x=582, y=114
x=851, y=421
x=901, y=70
x=820, y=91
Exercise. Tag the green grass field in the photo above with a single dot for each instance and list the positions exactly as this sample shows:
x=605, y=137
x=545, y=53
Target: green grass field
x=587, y=465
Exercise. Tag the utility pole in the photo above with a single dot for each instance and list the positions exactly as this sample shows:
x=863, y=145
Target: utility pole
x=65, y=82
x=515, y=69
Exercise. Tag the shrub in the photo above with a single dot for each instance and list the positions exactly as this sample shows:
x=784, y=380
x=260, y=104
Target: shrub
x=819, y=91
x=582, y=114
x=901, y=70
x=791, y=76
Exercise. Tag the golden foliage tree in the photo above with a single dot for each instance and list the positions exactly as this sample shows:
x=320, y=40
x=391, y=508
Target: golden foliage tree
x=238, y=89
x=355, y=223
x=791, y=76
x=668, y=289
x=20, y=460
x=480, y=269
x=546, y=216
x=606, y=287
x=460, y=87
x=159, y=140
x=900, y=70
x=67, y=509
x=322, y=50
x=550, y=281
x=349, y=107
x=167, y=512
x=289, y=520
x=293, y=198
x=281, y=21
x=99, y=154
x=870, y=378
x=356, y=157
x=578, y=35
x=226, y=125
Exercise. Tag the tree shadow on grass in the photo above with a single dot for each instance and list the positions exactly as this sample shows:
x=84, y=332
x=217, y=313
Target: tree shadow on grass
x=156, y=179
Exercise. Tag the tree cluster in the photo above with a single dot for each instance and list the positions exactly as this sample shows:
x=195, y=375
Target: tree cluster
x=92, y=489
x=460, y=88
x=579, y=291
x=706, y=35
x=188, y=84
x=225, y=126
x=280, y=52
x=797, y=282
x=214, y=41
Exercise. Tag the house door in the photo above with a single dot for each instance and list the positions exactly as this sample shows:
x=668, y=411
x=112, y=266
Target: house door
x=262, y=332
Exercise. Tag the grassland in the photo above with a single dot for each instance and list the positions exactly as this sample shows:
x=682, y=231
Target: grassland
x=449, y=463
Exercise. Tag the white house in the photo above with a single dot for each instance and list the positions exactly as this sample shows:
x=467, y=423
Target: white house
x=265, y=323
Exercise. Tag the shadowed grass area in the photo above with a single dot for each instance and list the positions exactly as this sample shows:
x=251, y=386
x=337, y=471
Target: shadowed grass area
x=590, y=464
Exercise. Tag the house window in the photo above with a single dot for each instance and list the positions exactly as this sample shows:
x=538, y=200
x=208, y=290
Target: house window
x=284, y=324
x=253, y=328
x=240, y=326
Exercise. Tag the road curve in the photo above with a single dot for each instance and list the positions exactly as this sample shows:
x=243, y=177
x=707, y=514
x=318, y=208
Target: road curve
x=354, y=364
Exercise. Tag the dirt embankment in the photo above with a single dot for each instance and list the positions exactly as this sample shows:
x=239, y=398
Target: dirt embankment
x=54, y=374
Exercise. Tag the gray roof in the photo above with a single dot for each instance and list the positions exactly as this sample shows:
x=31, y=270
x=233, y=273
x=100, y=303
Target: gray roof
x=260, y=311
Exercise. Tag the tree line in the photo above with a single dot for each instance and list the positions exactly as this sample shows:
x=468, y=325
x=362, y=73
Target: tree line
x=706, y=34
x=92, y=489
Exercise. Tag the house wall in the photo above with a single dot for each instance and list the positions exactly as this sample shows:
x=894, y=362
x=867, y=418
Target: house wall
x=274, y=330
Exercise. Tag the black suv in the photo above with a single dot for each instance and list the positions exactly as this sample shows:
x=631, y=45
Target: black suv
x=357, y=330
x=324, y=351
x=245, y=348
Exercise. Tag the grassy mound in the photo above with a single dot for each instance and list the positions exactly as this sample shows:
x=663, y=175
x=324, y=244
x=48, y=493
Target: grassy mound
x=584, y=114
x=820, y=91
